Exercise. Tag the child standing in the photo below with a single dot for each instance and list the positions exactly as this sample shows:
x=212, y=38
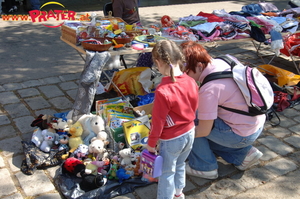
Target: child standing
x=173, y=114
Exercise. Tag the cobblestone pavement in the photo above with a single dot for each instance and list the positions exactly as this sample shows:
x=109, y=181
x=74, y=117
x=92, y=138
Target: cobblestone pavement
x=276, y=176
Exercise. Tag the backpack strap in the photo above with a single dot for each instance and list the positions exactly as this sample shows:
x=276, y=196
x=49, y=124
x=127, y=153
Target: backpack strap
x=217, y=75
x=227, y=59
x=222, y=74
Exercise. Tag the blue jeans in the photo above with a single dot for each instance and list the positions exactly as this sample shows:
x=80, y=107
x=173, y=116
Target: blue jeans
x=174, y=153
x=222, y=141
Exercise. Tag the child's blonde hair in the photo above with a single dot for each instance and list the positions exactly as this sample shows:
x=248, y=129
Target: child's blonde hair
x=170, y=53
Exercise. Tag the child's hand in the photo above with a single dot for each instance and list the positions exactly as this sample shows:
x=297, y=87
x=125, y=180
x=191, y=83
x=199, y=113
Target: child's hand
x=151, y=149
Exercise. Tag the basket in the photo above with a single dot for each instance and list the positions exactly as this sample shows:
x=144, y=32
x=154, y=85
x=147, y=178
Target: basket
x=124, y=40
x=96, y=47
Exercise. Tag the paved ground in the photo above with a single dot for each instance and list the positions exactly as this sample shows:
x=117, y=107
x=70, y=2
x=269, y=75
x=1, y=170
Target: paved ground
x=39, y=74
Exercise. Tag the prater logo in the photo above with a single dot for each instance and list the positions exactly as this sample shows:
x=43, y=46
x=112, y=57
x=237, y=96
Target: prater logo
x=43, y=16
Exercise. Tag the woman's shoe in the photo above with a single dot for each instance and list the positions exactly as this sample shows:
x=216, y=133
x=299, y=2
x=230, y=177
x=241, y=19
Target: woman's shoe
x=252, y=157
x=201, y=174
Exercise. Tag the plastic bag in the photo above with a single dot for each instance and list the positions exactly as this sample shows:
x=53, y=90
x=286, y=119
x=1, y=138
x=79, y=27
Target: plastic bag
x=133, y=80
x=69, y=186
x=36, y=159
x=284, y=77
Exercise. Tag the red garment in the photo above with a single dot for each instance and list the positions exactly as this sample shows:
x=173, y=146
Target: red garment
x=127, y=10
x=174, y=108
x=210, y=17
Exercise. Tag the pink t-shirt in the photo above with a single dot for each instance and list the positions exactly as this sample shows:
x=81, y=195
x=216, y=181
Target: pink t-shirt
x=225, y=92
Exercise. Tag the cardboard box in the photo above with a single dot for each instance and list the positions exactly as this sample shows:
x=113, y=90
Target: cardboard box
x=118, y=134
x=147, y=108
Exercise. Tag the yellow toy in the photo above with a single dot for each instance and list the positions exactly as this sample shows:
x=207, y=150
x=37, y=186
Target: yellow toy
x=75, y=139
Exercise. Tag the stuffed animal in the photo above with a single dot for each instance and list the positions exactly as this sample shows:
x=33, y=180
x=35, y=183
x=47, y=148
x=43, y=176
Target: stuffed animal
x=91, y=168
x=81, y=152
x=115, y=160
x=61, y=126
x=62, y=115
x=75, y=139
x=102, y=165
x=63, y=141
x=92, y=125
x=97, y=148
x=37, y=137
x=48, y=140
x=126, y=156
x=129, y=169
x=73, y=166
x=137, y=170
x=112, y=173
x=121, y=174
x=102, y=135
x=41, y=122
x=90, y=182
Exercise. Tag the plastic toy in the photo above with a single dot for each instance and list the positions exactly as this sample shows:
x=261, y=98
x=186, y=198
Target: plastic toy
x=151, y=164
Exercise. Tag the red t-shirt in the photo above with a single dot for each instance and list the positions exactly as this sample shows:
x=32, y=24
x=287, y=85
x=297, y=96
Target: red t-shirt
x=174, y=108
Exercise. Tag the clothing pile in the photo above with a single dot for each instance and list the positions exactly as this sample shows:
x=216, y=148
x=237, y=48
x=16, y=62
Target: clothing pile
x=253, y=21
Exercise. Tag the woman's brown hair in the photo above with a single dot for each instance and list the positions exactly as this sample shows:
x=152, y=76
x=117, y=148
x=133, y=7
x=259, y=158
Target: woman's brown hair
x=194, y=53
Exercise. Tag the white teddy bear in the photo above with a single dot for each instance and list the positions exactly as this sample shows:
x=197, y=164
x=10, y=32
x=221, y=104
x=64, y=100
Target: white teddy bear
x=97, y=148
x=102, y=135
x=48, y=141
x=126, y=156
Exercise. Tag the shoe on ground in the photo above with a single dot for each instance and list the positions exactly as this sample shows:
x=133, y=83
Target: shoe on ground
x=252, y=157
x=181, y=196
x=201, y=174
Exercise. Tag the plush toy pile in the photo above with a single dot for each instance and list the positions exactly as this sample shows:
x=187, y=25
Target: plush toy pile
x=85, y=150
